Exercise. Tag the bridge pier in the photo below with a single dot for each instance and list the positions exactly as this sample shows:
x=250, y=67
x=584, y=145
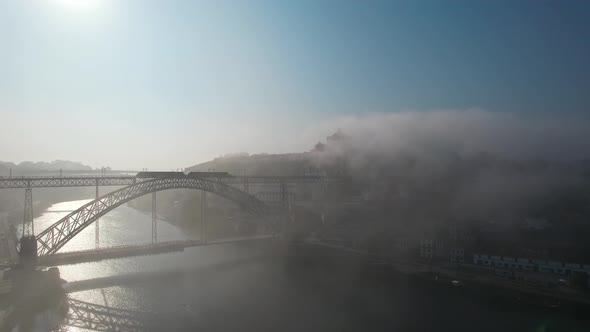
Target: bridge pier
x=246, y=186
x=283, y=194
x=28, y=242
x=28, y=226
x=97, y=224
x=154, y=220
x=203, y=216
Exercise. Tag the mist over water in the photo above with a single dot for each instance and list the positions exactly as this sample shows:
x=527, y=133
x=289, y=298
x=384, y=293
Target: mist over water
x=418, y=171
x=128, y=226
x=242, y=287
x=411, y=165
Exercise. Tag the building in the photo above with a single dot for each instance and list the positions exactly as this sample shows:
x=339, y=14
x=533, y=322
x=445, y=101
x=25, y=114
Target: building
x=430, y=249
x=522, y=268
x=426, y=249
x=528, y=264
x=440, y=249
x=457, y=255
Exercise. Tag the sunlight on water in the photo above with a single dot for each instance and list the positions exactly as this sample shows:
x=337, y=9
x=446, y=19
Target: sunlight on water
x=122, y=226
x=125, y=226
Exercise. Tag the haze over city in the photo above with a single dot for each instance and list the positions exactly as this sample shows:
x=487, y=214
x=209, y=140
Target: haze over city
x=312, y=165
x=179, y=83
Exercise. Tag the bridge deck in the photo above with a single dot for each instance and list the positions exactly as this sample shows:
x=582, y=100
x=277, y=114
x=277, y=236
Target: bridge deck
x=83, y=256
x=125, y=180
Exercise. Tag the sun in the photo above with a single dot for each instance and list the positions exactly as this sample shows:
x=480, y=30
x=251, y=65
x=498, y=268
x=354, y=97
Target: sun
x=80, y=4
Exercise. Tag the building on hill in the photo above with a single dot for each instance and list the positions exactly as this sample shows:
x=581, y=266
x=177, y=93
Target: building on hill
x=258, y=164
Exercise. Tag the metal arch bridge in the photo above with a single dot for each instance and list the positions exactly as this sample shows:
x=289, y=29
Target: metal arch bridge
x=124, y=180
x=61, y=181
x=57, y=235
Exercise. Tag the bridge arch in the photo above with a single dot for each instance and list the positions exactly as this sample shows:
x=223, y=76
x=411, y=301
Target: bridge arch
x=57, y=235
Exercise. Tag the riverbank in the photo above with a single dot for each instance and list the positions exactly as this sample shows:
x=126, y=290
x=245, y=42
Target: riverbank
x=467, y=278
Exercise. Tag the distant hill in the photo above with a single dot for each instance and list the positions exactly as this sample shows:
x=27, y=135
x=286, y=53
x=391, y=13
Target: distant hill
x=323, y=159
x=259, y=164
x=26, y=167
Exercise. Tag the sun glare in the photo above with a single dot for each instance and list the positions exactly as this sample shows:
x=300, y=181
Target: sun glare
x=80, y=4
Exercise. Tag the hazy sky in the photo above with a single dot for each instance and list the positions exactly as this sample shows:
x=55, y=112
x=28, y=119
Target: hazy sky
x=167, y=84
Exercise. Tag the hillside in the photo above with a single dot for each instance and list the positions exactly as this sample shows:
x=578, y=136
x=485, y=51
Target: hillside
x=26, y=167
x=323, y=159
x=259, y=164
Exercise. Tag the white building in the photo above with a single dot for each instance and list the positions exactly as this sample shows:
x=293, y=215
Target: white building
x=426, y=249
x=432, y=248
x=457, y=255
x=527, y=264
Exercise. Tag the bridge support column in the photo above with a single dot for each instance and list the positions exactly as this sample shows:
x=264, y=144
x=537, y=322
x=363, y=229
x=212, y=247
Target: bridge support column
x=203, y=216
x=27, y=249
x=97, y=225
x=154, y=220
x=283, y=194
x=246, y=186
x=28, y=225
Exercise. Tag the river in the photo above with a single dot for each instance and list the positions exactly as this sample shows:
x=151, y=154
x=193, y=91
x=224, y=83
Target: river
x=243, y=288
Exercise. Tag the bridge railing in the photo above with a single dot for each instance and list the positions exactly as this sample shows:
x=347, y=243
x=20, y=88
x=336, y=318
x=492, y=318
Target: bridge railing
x=14, y=182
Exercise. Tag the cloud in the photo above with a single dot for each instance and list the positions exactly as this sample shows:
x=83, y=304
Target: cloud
x=169, y=142
x=463, y=161
x=466, y=132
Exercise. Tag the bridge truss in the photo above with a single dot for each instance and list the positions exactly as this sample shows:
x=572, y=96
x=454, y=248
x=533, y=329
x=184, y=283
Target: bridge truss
x=100, y=181
x=57, y=235
x=65, y=181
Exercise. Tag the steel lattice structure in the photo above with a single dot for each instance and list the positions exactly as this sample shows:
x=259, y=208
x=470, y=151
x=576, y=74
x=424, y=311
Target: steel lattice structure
x=58, y=234
x=66, y=181
x=91, y=181
x=96, y=317
x=28, y=226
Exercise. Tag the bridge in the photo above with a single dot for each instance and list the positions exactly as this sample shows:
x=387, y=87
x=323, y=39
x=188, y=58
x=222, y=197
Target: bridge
x=93, y=255
x=58, y=234
x=234, y=188
x=25, y=182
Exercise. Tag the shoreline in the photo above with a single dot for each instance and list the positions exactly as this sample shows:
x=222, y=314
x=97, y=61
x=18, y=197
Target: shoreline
x=459, y=279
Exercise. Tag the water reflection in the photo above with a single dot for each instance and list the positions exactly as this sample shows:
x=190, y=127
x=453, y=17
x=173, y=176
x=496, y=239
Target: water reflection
x=124, y=226
x=91, y=316
x=245, y=288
